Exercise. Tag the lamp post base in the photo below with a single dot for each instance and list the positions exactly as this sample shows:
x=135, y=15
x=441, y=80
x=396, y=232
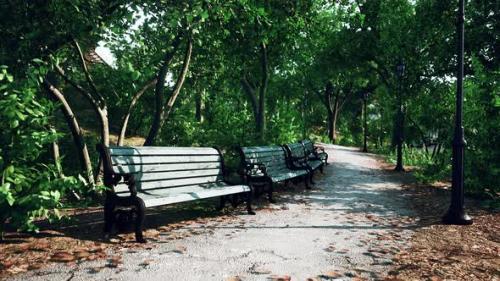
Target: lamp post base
x=399, y=169
x=457, y=218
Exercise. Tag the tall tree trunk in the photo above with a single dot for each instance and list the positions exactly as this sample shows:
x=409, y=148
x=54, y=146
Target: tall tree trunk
x=331, y=127
x=159, y=92
x=249, y=90
x=163, y=112
x=261, y=120
x=258, y=103
x=75, y=129
x=335, y=114
x=199, y=105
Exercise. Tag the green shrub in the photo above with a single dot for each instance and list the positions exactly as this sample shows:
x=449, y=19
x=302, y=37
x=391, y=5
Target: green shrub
x=29, y=187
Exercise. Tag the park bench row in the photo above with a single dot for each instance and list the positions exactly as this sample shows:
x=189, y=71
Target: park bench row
x=141, y=177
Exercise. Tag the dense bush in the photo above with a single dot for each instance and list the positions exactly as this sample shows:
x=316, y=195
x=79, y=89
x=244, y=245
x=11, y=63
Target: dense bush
x=30, y=188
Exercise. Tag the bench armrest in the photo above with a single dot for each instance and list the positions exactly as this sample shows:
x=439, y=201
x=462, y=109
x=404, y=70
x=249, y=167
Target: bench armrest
x=321, y=149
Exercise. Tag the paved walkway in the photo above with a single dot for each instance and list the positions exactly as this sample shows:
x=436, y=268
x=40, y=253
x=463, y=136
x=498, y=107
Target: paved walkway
x=349, y=226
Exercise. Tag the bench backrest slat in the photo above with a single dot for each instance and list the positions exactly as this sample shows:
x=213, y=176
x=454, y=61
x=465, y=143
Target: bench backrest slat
x=296, y=150
x=167, y=167
x=160, y=150
x=308, y=146
x=273, y=157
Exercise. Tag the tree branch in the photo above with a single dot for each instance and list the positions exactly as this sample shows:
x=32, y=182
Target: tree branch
x=90, y=81
x=79, y=88
x=135, y=98
x=182, y=76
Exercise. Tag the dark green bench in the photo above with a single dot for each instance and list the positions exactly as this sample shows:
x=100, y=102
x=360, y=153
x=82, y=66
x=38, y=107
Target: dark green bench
x=297, y=156
x=268, y=165
x=143, y=177
x=314, y=152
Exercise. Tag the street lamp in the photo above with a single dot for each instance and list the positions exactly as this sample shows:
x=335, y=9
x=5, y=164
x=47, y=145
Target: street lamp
x=456, y=213
x=400, y=71
x=365, y=127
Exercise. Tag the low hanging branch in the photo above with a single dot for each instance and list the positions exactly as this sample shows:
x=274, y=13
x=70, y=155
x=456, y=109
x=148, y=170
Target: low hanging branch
x=163, y=110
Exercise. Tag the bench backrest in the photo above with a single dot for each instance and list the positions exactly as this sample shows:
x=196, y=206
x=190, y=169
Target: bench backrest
x=295, y=150
x=273, y=157
x=308, y=146
x=167, y=167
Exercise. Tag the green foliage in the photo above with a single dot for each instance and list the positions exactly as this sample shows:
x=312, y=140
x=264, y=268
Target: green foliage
x=29, y=187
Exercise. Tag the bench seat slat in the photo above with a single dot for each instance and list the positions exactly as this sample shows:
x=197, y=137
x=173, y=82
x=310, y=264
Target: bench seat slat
x=176, y=175
x=164, y=196
x=315, y=164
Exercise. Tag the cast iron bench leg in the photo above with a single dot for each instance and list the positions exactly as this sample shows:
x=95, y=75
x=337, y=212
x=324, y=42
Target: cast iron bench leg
x=270, y=193
x=109, y=216
x=222, y=203
x=139, y=221
x=249, y=202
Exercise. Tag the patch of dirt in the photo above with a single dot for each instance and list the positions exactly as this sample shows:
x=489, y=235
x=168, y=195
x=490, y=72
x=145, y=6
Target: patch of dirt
x=449, y=252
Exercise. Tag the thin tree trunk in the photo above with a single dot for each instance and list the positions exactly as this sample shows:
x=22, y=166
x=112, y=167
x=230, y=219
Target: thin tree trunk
x=261, y=120
x=199, y=105
x=75, y=129
x=162, y=110
x=57, y=158
x=135, y=99
x=250, y=91
x=160, y=89
x=335, y=114
x=331, y=130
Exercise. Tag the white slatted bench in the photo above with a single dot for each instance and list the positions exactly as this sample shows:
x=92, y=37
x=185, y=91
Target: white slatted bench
x=143, y=177
x=268, y=164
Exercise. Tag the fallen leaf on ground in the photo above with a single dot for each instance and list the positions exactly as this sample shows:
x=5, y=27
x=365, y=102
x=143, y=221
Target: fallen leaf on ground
x=62, y=257
x=331, y=274
x=279, y=278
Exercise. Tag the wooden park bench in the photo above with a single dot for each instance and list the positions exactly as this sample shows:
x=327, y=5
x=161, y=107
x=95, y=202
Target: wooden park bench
x=314, y=152
x=143, y=177
x=268, y=165
x=297, y=156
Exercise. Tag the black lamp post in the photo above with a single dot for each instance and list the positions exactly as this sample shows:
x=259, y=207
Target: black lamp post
x=365, y=121
x=456, y=213
x=400, y=70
